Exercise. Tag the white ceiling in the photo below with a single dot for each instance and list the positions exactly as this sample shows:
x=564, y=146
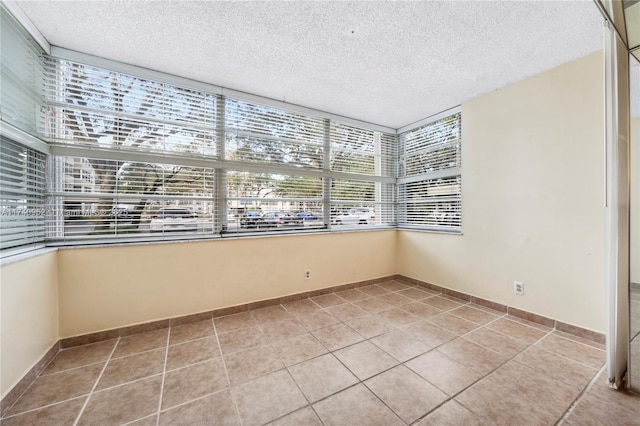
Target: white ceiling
x=389, y=63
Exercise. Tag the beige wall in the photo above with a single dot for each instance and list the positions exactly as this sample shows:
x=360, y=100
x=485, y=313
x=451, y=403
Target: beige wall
x=28, y=315
x=108, y=287
x=532, y=200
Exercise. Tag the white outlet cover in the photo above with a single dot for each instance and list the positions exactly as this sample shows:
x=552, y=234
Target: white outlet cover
x=518, y=287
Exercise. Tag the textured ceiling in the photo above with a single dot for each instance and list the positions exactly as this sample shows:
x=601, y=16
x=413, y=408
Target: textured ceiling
x=389, y=63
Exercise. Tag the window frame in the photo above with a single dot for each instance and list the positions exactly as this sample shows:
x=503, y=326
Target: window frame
x=223, y=166
x=439, y=175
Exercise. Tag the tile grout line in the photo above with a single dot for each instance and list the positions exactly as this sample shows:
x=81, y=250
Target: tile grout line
x=43, y=406
x=309, y=404
x=66, y=370
x=452, y=397
x=565, y=357
x=580, y=396
x=226, y=372
x=332, y=353
x=137, y=420
x=286, y=367
x=164, y=373
x=95, y=385
x=5, y=415
x=400, y=363
x=512, y=358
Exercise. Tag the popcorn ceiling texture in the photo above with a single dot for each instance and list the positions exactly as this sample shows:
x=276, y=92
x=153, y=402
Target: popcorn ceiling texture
x=389, y=63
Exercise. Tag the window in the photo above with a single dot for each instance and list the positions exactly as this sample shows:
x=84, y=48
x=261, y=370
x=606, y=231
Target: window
x=132, y=158
x=274, y=162
x=429, y=184
x=22, y=157
x=364, y=192
x=130, y=199
x=127, y=150
x=22, y=201
x=22, y=73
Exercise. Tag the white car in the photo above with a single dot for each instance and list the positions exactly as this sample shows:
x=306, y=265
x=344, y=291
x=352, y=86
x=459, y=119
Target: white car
x=174, y=219
x=358, y=216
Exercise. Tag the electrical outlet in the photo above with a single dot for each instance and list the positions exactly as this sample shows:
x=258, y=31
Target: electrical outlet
x=307, y=274
x=518, y=287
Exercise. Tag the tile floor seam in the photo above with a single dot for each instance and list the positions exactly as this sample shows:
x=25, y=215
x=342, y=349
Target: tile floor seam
x=68, y=369
x=8, y=410
x=588, y=386
x=136, y=353
x=566, y=357
x=449, y=397
x=226, y=372
x=84, y=406
x=309, y=404
x=512, y=358
x=458, y=336
x=504, y=334
x=482, y=377
x=384, y=403
x=182, y=404
x=349, y=369
x=336, y=392
x=579, y=397
x=137, y=420
x=506, y=318
x=257, y=325
x=31, y=410
x=164, y=374
x=360, y=381
x=182, y=367
x=470, y=320
x=575, y=341
x=185, y=342
x=119, y=385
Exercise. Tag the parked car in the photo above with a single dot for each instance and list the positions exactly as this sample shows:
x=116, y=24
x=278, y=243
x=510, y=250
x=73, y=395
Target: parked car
x=252, y=219
x=357, y=216
x=290, y=219
x=174, y=219
x=273, y=219
x=308, y=216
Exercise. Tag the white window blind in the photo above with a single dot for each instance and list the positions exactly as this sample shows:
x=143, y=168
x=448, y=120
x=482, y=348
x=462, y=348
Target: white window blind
x=102, y=109
x=273, y=201
x=22, y=199
x=113, y=130
x=429, y=186
x=20, y=77
x=256, y=133
x=358, y=203
x=356, y=200
x=102, y=199
x=136, y=158
x=362, y=151
x=22, y=168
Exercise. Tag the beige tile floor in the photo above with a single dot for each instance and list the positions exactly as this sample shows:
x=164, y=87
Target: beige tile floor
x=384, y=354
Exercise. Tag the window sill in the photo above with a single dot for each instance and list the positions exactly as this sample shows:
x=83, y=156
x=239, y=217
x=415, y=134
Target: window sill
x=230, y=236
x=457, y=232
x=15, y=256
